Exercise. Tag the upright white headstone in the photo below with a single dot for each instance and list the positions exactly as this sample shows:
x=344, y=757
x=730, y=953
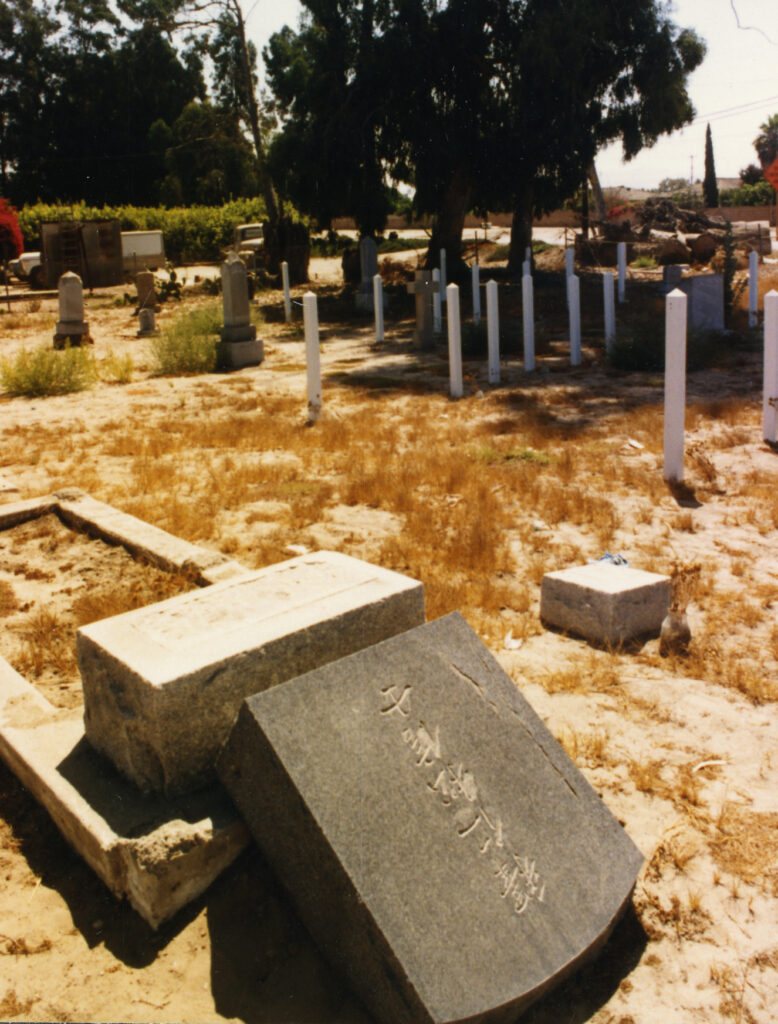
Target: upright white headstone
x=71, y=327
x=528, y=313
x=287, y=294
x=675, y=384
x=574, y=299
x=378, y=306
x=454, y=342
x=239, y=344
x=437, y=324
x=476, y=275
x=312, y=361
x=753, y=287
x=621, y=250
x=493, y=322
x=443, y=275
x=610, y=311
x=770, y=398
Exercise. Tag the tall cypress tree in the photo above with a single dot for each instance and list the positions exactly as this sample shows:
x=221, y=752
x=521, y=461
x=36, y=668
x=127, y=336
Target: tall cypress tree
x=710, y=189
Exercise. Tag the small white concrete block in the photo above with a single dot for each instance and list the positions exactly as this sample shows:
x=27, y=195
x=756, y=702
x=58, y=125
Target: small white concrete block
x=605, y=603
x=163, y=684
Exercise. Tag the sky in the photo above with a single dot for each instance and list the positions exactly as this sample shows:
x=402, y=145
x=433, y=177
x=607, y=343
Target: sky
x=735, y=89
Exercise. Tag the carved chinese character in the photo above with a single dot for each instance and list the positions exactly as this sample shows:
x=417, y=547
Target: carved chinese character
x=400, y=703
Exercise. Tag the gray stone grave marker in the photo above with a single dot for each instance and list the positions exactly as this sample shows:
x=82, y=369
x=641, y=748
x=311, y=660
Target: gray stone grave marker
x=442, y=849
x=147, y=296
x=71, y=327
x=706, y=301
x=146, y=323
x=163, y=684
x=239, y=343
x=423, y=288
x=368, y=265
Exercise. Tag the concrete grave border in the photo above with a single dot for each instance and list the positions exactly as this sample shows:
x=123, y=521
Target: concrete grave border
x=158, y=853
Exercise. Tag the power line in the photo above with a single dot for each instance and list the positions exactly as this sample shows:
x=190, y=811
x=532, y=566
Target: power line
x=749, y=28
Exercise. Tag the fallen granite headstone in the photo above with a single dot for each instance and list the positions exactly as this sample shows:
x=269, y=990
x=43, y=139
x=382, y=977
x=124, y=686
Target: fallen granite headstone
x=442, y=849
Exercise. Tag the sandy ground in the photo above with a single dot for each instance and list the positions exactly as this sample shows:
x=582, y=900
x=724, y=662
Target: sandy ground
x=682, y=749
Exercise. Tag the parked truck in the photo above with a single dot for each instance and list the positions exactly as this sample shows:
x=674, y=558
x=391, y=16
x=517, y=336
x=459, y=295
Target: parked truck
x=90, y=250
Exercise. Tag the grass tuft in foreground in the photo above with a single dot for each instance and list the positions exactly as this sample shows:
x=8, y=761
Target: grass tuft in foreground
x=45, y=371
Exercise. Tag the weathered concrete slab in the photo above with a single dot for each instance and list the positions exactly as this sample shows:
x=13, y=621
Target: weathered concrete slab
x=606, y=603
x=163, y=684
x=82, y=512
x=440, y=846
x=159, y=854
x=12, y=513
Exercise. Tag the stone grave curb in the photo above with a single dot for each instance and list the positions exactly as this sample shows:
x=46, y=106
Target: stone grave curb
x=158, y=853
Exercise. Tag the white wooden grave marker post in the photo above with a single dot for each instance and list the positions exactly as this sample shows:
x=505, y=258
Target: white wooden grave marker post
x=287, y=295
x=312, y=361
x=437, y=325
x=675, y=384
x=454, y=342
x=493, y=321
x=753, y=287
x=526, y=268
x=442, y=275
x=610, y=312
x=476, y=275
x=378, y=306
x=574, y=298
x=770, y=397
x=528, y=314
x=569, y=271
x=621, y=249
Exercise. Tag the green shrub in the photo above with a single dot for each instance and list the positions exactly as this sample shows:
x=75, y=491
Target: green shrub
x=640, y=346
x=188, y=345
x=761, y=194
x=644, y=262
x=46, y=371
x=117, y=368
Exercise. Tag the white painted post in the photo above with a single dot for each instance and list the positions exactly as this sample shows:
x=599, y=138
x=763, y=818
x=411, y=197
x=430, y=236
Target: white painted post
x=287, y=294
x=437, y=326
x=675, y=384
x=769, y=410
x=574, y=298
x=442, y=275
x=493, y=325
x=569, y=271
x=312, y=361
x=528, y=311
x=454, y=342
x=753, y=289
x=476, y=274
x=528, y=254
x=526, y=268
x=378, y=306
x=621, y=249
x=610, y=311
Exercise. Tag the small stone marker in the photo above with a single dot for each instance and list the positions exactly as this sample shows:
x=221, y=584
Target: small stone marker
x=71, y=327
x=368, y=265
x=493, y=335
x=621, y=259
x=528, y=317
x=706, y=301
x=146, y=323
x=610, y=311
x=753, y=287
x=239, y=344
x=312, y=356
x=574, y=302
x=422, y=288
x=147, y=295
x=438, y=843
x=456, y=384
x=675, y=385
x=606, y=603
x=162, y=684
x=770, y=386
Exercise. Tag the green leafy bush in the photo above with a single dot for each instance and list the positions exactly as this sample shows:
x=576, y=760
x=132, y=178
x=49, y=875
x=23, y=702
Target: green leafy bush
x=188, y=345
x=640, y=346
x=46, y=371
x=761, y=194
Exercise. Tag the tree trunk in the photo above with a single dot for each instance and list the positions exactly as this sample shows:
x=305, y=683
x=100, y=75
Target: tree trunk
x=448, y=226
x=600, y=210
x=521, y=229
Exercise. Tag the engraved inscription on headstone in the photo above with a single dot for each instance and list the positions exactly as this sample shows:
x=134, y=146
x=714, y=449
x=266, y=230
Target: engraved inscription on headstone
x=441, y=847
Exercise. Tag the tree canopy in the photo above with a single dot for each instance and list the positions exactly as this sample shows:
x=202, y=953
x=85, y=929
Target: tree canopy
x=766, y=142
x=474, y=103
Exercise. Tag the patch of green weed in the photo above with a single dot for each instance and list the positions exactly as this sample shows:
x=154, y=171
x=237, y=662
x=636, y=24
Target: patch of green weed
x=46, y=371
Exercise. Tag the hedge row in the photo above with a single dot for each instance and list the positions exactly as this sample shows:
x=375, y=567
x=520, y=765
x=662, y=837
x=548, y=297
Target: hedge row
x=192, y=233
x=761, y=194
